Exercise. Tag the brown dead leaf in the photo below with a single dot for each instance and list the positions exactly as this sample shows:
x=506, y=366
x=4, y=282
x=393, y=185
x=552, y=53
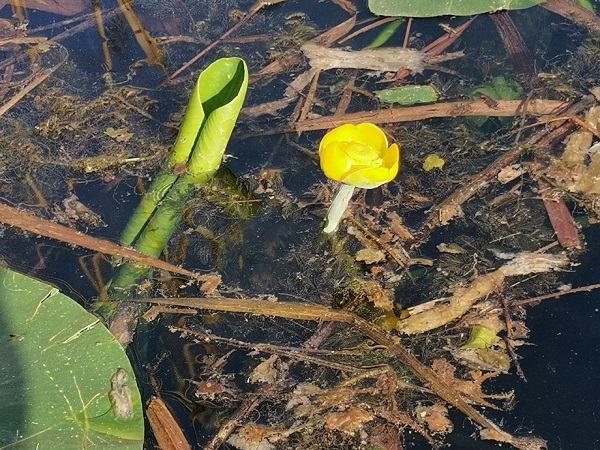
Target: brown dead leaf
x=370, y=255
x=449, y=212
x=120, y=134
x=398, y=228
x=384, y=435
x=213, y=389
x=509, y=173
x=349, y=421
x=472, y=389
x=210, y=283
x=253, y=437
x=435, y=417
x=452, y=248
x=267, y=371
x=301, y=399
x=376, y=294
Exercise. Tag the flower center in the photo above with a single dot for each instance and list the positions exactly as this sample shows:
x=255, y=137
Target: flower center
x=362, y=154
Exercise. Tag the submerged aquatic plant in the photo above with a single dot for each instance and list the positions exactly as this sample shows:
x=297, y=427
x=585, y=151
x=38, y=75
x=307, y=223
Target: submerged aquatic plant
x=209, y=120
x=357, y=156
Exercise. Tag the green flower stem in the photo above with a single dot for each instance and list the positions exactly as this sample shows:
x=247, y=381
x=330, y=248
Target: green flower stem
x=337, y=208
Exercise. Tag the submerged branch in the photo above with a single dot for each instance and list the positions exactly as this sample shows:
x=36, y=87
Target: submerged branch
x=33, y=224
x=302, y=311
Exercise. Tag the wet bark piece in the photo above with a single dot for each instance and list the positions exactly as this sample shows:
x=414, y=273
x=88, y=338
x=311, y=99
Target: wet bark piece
x=164, y=426
x=379, y=59
x=561, y=219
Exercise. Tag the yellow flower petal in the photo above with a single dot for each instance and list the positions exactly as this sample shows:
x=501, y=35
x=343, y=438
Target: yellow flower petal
x=369, y=178
x=365, y=133
x=359, y=155
x=334, y=161
x=391, y=157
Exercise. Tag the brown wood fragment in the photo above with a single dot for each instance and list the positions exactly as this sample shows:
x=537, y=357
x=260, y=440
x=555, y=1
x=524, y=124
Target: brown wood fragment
x=561, y=219
x=166, y=430
x=146, y=42
x=60, y=7
x=513, y=43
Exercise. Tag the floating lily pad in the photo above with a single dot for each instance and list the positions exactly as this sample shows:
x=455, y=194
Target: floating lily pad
x=419, y=8
x=66, y=382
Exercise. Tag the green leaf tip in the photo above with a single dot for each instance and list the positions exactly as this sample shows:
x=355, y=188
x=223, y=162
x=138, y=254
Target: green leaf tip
x=211, y=114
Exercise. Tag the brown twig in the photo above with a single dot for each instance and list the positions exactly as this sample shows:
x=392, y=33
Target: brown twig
x=253, y=11
x=504, y=108
x=567, y=232
x=572, y=11
x=553, y=295
x=33, y=224
x=40, y=77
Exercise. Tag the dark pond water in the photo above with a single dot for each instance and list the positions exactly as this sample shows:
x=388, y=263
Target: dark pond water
x=279, y=251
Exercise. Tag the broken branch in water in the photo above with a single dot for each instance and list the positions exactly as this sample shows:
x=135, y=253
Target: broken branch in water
x=305, y=311
x=502, y=108
x=28, y=222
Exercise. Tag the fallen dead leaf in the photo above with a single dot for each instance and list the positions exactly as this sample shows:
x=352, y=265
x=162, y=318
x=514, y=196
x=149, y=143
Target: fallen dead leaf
x=370, y=255
x=435, y=417
x=349, y=421
x=267, y=371
x=253, y=437
x=120, y=134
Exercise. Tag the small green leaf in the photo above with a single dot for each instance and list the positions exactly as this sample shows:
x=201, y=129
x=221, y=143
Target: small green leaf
x=408, y=95
x=499, y=89
x=389, y=30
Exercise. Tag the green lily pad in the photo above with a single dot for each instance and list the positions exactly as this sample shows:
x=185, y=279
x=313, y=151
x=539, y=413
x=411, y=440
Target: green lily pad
x=408, y=95
x=499, y=89
x=420, y=8
x=65, y=382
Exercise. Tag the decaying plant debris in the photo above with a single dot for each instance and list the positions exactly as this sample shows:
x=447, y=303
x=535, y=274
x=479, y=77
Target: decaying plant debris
x=358, y=341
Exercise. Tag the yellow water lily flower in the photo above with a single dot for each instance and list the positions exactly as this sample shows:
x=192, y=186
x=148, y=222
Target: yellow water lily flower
x=359, y=155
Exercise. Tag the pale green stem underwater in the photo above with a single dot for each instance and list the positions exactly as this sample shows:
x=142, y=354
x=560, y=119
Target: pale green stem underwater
x=337, y=208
